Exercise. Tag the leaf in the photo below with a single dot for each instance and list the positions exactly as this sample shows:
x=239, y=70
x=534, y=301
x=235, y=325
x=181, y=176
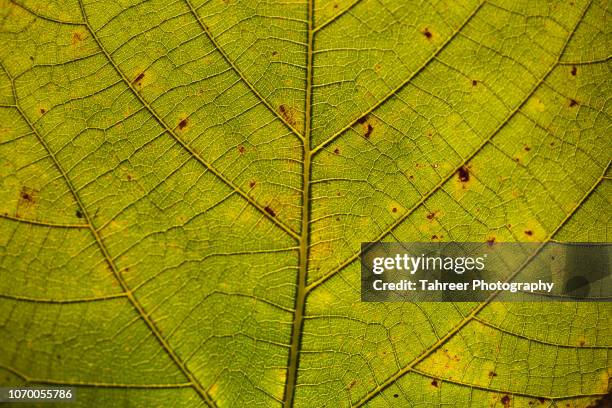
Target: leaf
x=184, y=187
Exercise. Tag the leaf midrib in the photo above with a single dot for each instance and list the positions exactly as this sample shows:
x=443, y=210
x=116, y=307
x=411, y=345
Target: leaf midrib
x=301, y=292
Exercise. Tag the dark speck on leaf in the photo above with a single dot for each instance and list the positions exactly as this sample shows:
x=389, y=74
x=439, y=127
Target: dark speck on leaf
x=395, y=395
x=336, y=151
x=434, y=237
x=252, y=183
x=274, y=53
x=368, y=132
x=394, y=209
x=362, y=120
x=492, y=374
x=464, y=174
x=270, y=211
x=427, y=33
x=474, y=82
x=79, y=214
x=542, y=400
x=505, y=401
x=490, y=242
x=287, y=115
x=434, y=382
x=241, y=149
x=528, y=232
x=573, y=103
x=77, y=38
x=574, y=71
x=27, y=194
x=431, y=216
x=139, y=78
x=182, y=124
x=42, y=111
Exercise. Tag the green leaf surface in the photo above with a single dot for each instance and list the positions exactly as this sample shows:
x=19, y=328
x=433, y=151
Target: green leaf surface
x=184, y=187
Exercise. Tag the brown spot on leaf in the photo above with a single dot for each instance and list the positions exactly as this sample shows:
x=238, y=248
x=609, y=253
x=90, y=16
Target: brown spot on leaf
x=336, y=151
x=129, y=177
x=464, y=174
x=287, y=114
x=490, y=242
x=395, y=395
x=252, y=183
x=474, y=82
x=28, y=196
x=241, y=149
x=270, y=211
x=368, y=131
x=362, y=120
x=138, y=79
x=431, y=215
x=492, y=374
x=434, y=237
x=394, y=209
x=351, y=384
x=542, y=400
x=183, y=124
x=573, y=103
x=79, y=214
x=76, y=38
x=274, y=53
x=434, y=382
x=427, y=33
x=42, y=111
x=574, y=70
x=528, y=232
x=527, y=148
x=505, y=400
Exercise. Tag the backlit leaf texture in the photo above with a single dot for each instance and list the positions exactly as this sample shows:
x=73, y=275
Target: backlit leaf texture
x=185, y=184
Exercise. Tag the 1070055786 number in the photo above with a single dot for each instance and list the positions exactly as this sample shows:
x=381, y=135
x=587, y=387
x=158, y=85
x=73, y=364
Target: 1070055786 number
x=9, y=394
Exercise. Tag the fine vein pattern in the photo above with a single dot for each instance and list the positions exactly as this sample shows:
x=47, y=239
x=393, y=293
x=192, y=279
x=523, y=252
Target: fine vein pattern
x=185, y=185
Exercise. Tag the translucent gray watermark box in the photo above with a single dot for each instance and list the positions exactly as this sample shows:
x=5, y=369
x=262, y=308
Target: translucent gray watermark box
x=476, y=272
